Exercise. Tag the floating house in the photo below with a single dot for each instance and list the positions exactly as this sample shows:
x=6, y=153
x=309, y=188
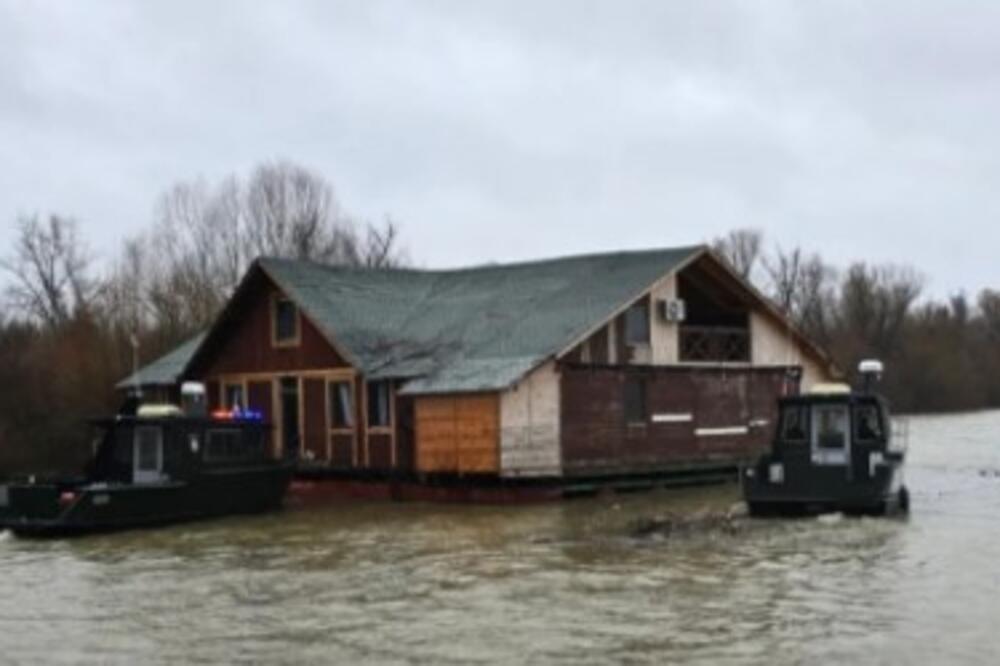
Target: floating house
x=610, y=365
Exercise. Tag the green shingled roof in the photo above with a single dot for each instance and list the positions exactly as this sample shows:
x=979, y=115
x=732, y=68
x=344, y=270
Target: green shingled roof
x=472, y=329
x=465, y=330
x=166, y=370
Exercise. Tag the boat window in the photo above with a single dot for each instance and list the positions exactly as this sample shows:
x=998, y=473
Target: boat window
x=231, y=445
x=378, y=404
x=868, y=424
x=830, y=426
x=341, y=405
x=794, y=424
x=147, y=445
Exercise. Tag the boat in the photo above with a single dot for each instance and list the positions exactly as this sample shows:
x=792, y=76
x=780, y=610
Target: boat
x=155, y=465
x=834, y=450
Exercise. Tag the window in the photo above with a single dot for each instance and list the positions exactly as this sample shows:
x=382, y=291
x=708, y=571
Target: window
x=341, y=405
x=830, y=427
x=286, y=322
x=637, y=324
x=635, y=400
x=148, y=449
x=234, y=396
x=794, y=427
x=378, y=404
x=231, y=445
x=868, y=424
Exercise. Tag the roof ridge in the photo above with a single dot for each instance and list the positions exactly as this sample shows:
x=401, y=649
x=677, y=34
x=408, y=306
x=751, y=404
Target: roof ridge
x=527, y=263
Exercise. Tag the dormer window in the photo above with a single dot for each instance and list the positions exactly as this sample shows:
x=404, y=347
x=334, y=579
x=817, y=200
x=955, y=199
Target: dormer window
x=285, y=323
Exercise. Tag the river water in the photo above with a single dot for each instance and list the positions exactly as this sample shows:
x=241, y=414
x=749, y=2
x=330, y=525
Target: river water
x=563, y=583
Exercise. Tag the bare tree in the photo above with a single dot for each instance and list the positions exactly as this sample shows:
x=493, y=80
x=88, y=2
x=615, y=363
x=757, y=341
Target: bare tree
x=875, y=303
x=989, y=308
x=381, y=249
x=292, y=212
x=741, y=248
x=49, y=267
x=784, y=272
x=205, y=238
x=815, y=299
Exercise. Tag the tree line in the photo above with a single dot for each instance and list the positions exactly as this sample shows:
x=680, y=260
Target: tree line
x=939, y=355
x=69, y=326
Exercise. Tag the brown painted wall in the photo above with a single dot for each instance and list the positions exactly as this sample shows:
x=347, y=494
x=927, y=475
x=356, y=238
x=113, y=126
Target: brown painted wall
x=596, y=439
x=342, y=455
x=245, y=344
x=458, y=434
x=405, y=434
x=315, y=433
x=260, y=398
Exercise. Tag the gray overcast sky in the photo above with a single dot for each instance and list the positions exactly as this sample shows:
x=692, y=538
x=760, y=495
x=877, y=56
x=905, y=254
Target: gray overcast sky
x=507, y=130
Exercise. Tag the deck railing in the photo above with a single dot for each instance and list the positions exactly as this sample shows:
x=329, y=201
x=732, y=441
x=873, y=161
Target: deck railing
x=714, y=344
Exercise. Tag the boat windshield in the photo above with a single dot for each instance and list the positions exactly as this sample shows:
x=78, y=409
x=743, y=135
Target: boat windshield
x=830, y=434
x=830, y=426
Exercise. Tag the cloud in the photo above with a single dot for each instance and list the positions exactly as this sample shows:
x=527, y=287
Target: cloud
x=500, y=131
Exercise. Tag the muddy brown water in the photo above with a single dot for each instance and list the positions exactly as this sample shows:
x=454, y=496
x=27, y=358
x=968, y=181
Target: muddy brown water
x=560, y=583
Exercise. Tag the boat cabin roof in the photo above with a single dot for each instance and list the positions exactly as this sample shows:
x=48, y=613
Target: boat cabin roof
x=851, y=398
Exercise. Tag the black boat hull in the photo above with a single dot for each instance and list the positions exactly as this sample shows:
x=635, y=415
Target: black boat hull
x=48, y=510
x=815, y=491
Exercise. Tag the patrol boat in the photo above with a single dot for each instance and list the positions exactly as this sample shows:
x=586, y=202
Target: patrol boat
x=834, y=451
x=154, y=465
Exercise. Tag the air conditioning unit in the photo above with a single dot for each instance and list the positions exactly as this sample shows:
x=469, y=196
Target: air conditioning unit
x=672, y=311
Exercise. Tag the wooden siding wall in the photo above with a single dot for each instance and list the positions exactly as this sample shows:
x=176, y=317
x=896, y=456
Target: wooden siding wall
x=315, y=431
x=457, y=434
x=596, y=439
x=245, y=345
x=260, y=397
x=529, y=425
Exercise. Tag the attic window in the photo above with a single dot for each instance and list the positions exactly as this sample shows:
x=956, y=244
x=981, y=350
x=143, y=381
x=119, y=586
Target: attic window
x=637, y=324
x=285, y=324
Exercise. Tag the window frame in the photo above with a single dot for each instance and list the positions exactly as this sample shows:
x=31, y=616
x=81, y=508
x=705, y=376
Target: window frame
x=389, y=417
x=230, y=404
x=333, y=403
x=631, y=327
x=295, y=339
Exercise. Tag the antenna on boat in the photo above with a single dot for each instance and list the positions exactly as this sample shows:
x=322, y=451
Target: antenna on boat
x=134, y=342
x=871, y=371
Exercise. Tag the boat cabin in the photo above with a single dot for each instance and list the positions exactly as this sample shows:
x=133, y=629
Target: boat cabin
x=161, y=446
x=832, y=428
x=833, y=450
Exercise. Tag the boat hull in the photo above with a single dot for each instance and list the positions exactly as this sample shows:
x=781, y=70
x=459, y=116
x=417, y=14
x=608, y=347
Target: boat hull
x=804, y=490
x=43, y=510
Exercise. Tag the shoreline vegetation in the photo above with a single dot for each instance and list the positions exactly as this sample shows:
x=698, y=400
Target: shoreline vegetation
x=68, y=329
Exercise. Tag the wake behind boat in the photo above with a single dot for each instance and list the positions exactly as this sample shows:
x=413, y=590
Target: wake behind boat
x=156, y=466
